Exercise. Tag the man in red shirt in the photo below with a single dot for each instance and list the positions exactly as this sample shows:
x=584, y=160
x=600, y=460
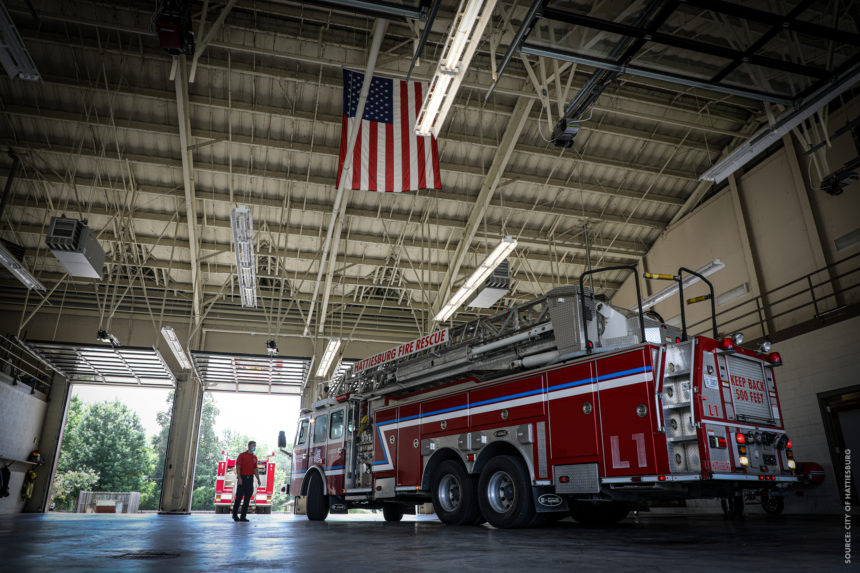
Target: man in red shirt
x=246, y=471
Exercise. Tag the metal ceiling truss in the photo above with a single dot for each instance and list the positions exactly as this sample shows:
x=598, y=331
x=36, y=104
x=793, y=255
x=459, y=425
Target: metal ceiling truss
x=619, y=63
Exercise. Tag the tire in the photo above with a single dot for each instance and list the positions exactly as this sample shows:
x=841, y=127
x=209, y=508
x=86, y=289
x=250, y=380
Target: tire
x=392, y=512
x=773, y=504
x=264, y=510
x=455, y=495
x=504, y=493
x=599, y=514
x=317, y=502
x=221, y=509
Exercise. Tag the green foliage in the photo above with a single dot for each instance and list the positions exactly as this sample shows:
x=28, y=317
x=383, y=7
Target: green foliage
x=208, y=456
x=70, y=433
x=108, y=438
x=69, y=484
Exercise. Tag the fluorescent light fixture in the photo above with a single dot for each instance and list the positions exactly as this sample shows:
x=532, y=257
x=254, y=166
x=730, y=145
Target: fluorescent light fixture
x=731, y=295
x=243, y=243
x=493, y=260
x=14, y=56
x=689, y=280
x=11, y=262
x=328, y=356
x=790, y=119
x=178, y=352
x=460, y=45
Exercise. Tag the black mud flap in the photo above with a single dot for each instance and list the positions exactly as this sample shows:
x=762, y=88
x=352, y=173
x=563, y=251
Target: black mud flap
x=547, y=501
x=336, y=504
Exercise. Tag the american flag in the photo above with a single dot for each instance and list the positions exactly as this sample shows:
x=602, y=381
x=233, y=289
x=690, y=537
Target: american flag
x=388, y=155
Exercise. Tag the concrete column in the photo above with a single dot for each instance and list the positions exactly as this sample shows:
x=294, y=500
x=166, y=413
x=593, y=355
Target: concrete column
x=181, y=456
x=50, y=439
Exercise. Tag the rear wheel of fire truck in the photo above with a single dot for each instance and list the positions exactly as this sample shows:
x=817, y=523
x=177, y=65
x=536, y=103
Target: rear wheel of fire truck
x=392, y=512
x=504, y=493
x=454, y=495
x=598, y=514
x=772, y=504
x=317, y=501
x=264, y=510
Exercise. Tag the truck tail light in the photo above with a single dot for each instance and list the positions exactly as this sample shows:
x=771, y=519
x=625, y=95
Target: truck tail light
x=721, y=442
x=564, y=479
x=740, y=438
x=788, y=444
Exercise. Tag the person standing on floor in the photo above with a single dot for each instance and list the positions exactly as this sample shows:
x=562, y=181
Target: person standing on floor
x=246, y=471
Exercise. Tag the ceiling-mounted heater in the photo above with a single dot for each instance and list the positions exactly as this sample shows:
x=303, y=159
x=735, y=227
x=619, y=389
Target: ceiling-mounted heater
x=76, y=248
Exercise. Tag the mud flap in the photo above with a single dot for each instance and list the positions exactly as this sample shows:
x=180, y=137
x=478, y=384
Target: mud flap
x=547, y=501
x=337, y=505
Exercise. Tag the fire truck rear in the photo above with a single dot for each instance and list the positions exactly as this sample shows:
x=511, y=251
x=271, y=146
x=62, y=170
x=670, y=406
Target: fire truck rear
x=225, y=485
x=565, y=405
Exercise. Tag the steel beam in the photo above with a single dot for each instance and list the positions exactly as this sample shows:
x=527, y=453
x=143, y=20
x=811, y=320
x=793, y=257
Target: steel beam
x=573, y=57
x=201, y=47
x=182, y=108
x=680, y=42
x=494, y=175
x=746, y=13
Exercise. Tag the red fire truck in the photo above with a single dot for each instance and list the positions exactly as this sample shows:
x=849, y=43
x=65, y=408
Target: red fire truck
x=225, y=485
x=562, y=406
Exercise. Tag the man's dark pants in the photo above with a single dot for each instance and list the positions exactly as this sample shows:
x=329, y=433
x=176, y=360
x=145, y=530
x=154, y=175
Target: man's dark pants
x=246, y=491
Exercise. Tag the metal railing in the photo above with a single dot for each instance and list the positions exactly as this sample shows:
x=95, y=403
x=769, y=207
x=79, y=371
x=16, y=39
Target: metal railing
x=806, y=298
x=24, y=367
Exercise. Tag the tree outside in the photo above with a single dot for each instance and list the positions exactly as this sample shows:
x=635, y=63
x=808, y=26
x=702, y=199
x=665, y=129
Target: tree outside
x=104, y=448
x=68, y=485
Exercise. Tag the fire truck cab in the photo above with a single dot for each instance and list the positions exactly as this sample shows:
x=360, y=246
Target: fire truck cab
x=562, y=406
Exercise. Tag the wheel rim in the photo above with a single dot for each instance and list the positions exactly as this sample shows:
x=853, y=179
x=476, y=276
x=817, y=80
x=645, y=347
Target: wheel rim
x=501, y=492
x=449, y=493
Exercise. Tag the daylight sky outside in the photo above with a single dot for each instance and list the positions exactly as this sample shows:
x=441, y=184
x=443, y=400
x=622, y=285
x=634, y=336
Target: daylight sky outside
x=260, y=416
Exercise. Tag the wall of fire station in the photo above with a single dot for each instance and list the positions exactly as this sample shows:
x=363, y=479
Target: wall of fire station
x=21, y=417
x=814, y=363
x=770, y=227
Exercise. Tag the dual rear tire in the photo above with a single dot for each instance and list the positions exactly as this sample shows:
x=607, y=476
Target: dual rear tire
x=455, y=495
x=502, y=495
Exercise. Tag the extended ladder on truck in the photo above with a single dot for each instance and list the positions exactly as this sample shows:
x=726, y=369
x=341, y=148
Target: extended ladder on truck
x=547, y=330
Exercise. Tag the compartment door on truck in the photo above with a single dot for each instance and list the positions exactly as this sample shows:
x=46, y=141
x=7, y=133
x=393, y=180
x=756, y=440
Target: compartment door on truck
x=408, y=445
x=626, y=386
x=573, y=413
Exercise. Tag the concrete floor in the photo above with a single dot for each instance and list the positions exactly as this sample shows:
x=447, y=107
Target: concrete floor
x=358, y=543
